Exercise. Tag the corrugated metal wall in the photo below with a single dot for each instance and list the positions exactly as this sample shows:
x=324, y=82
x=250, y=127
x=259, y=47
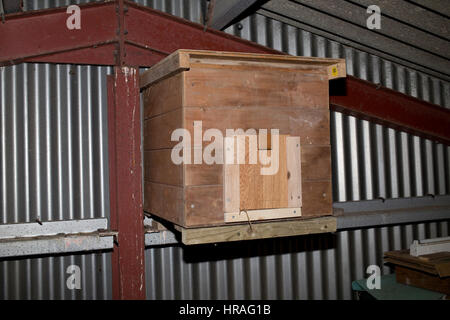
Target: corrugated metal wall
x=307, y=267
x=54, y=165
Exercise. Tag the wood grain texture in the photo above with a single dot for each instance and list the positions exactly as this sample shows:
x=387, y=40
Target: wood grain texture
x=159, y=167
x=316, y=162
x=293, y=166
x=171, y=65
x=259, y=191
x=332, y=68
x=262, y=214
x=262, y=230
x=436, y=263
x=164, y=96
x=204, y=205
x=203, y=174
x=158, y=130
x=231, y=196
x=422, y=280
x=164, y=201
x=312, y=125
x=317, y=198
x=261, y=88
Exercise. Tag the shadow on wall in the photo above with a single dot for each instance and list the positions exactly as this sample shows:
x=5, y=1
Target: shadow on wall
x=258, y=248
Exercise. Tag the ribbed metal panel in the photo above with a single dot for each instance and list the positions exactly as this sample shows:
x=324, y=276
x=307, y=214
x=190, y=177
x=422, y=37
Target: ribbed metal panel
x=54, y=152
x=46, y=277
x=54, y=165
x=308, y=267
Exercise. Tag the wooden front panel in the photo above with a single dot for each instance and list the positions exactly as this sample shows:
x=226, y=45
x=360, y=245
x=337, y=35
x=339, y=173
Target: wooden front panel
x=259, y=191
x=247, y=187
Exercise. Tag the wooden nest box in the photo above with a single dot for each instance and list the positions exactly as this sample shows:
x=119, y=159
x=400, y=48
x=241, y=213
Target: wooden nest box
x=200, y=170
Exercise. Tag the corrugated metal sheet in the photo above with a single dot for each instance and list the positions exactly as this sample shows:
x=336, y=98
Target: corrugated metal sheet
x=54, y=165
x=46, y=277
x=54, y=151
x=307, y=267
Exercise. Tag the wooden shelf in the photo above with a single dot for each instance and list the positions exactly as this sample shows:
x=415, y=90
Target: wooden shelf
x=257, y=230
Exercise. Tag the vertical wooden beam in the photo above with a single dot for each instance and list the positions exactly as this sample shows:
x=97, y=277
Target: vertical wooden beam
x=126, y=183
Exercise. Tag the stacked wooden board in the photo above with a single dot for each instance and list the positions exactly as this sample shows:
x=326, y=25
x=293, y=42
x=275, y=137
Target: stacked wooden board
x=431, y=271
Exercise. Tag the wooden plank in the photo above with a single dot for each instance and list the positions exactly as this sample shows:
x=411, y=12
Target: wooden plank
x=213, y=87
x=203, y=174
x=293, y=166
x=312, y=125
x=180, y=60
x=286, y=61
x=422, y=280
x=316, y=198
x=265, y=214
x=159, y=168
x=172, y=64
x=203, y=205
x=164, y=96
x=316, y=162
x=258, y=191
x=164, y=201
x=437, y=264
x=231, y=196
x=261, y=230
x=158, y=130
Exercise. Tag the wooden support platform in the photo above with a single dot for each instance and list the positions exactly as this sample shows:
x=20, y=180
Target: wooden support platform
x=257, y=230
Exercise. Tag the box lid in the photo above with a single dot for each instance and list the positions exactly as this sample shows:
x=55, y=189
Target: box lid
x=182, y=59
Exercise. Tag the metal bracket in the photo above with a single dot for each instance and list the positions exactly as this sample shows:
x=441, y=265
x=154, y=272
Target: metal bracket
x=155, y=237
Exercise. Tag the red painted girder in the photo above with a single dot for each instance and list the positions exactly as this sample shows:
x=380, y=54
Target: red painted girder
x=165, y=33
x=125, y=166
x=148, y=36
x=369, y=101
x=36, y=34
x=151, y=35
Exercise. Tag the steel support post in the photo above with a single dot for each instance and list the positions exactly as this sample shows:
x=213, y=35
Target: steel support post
x=126, y=183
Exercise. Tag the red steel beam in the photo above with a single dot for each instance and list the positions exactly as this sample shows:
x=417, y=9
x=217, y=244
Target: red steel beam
x=369, y=101
x=32, y=35
x=165, y=33
x=124, y=121
x=148, y=35
x=112, y=33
